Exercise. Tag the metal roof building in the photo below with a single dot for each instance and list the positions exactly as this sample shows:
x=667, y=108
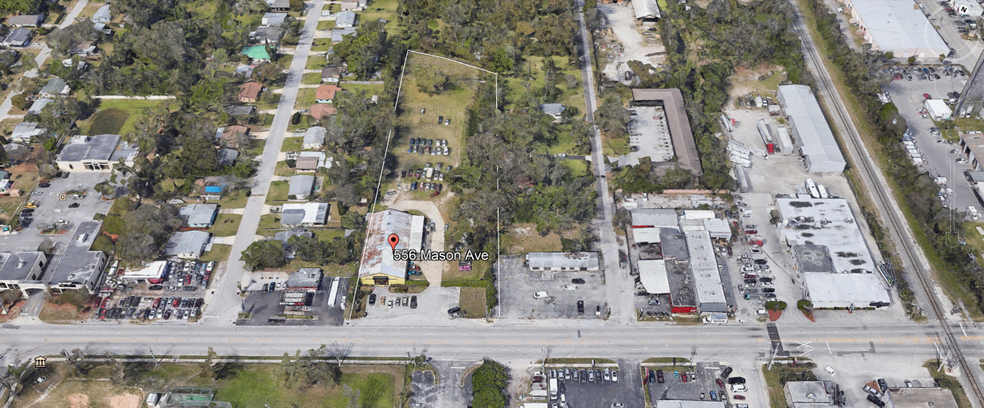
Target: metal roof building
x=305, y=279
x=681, y=135
x=843, y=290
x=345, y=19
x=814, y=137
x=301, y=186
x=314, y=137
x=187, y=244
x=899, y=27
x=654, y=218
x=808, y=394
x=707, y=278
x=95, y=153
x=377, y=266
x=646, y=9
x=304, y=214
x=199, y=215
x=652, y=273
x=563, y=261
x=829, y=223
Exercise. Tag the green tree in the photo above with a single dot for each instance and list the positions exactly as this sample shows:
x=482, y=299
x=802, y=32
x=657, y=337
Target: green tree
x=912, y=60
x=20, y=102
x=488, y=384
x=500, y=61
x=264, y=254
x=353, y=220
x=103, y=244
x=942, y=57
x=296, y=5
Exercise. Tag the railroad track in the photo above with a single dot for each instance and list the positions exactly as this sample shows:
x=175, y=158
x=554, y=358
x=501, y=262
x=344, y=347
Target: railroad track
x=865, y=164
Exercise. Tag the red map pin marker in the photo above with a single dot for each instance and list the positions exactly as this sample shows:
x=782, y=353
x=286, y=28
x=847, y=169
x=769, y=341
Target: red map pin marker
x=393, y=240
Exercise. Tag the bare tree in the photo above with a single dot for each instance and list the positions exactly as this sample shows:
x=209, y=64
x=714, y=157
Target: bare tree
x=340, y=352
x=75, y=358
x=158, y=361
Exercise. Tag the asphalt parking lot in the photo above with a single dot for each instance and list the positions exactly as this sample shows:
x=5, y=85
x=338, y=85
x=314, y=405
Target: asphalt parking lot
x=600, y=393
x=263, y=306
x=700, y=379
x=519, y=284
x=51, y=210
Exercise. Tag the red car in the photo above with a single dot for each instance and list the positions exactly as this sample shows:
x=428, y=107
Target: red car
x=751, y=232
x=719, y=383
x=102, y=314
x=927, y=96
x=738, y=397
x=176, y=302
x=684, y=377
x=157, y=303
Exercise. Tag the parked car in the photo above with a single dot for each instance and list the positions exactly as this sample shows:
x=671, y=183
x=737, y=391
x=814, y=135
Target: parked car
x=719, y=382
x=578, y=281
x=372, y=299
x=580, y=307
x=413, y=302
x=659, y=376
x=875, y=400
x=714, y=396
x=761, y=261
x=926, y=95
x=726, y=372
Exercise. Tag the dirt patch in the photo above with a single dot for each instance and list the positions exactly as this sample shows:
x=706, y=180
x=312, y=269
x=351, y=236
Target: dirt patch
x=64, y=313
x=524, y=238
x=78, y=400
x=631, y=42
x=124, y=401
x=13, y=311
x=758, y=80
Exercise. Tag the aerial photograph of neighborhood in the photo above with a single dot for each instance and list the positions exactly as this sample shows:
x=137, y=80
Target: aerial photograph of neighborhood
x=492, y=203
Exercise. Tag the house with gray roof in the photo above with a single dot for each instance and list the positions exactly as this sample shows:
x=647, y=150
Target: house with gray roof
x=24, y=131
x=304, y=214
x=273, y=19
x=26, y=20
x=314, y=138
x=102, y=15
x=555, y=110
x=345, y=19
x=267, y=35
x=56, y=86
x=227, y=157
x=301, y=187
x=39, y=105
x=95, y=153
x=187, y=244
x=19, y=37
x=199, y=215
x=285, y=236
x=338, y=35
x=279, y=5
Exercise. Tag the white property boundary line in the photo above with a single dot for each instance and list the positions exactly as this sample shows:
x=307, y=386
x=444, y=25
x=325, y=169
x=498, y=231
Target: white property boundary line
x=389, y=138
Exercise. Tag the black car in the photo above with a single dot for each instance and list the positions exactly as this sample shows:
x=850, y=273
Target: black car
x=44, y=184
x=765, y=280
x=403, y=173
x=372, y=299
x=440, y=120
x=413, y=302
x=73, y=205
x=578, y=281
x=736, y=380
x=883, y=385
x=761, y=261
x=199, y=302
x=769, y=290
x=747, y=281
x=580, y=307
x=726, y=372
x=874, y=400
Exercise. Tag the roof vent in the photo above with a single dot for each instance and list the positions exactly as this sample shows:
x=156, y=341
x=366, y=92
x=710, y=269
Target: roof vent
x=20, y=264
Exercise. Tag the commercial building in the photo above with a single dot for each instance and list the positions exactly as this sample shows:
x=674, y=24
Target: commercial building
x=377, y=266
x=967, y=8
x=707, y=278
x=652, y=273
x=813, y=135
x=78, y=268
x=314, y=138
x=646, y=10
x=897, y=26
x=808, y=394
x=972, y=145
x=937, y=109
x=647, y=222
x=676, y=257
x=95, y=153
x=187, y=244
x=668, y=107
x=846, y=290
x=22, y=271
x=304, y=214
x=828, y=223
x=154, y=273
x=301, y=186
x=664, y=403
x=915, y=397
x=199, y=215
x=563, y=261
x=305, y=279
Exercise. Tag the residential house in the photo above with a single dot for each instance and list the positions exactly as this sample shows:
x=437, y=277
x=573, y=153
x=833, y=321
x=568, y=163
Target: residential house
x=354, y=5
x=301, y=187
x=555, y=110
x=267, y=35
x=227, y=157
x=187, y=244
x=331, y=73
x=304, y=214
x=312, y=161
x=22, y=271
x=78, y=268
x=56, y=86
x=39, y=105
x=279, y=5
x=84, y=49
x=95, y=153
x=323, y=110
x=285, y=236
x=5, y=183
x=234, y=136
x=345, y=19
x=250, y=92
x=243, y=114
x=199, y=215
x=326, y=93
x=24, y=131
x=338, y=35
x=102, y=15
x=273, y=19
x=26, y=20
x=314, y=138
x=258, y=53
x=18, y=37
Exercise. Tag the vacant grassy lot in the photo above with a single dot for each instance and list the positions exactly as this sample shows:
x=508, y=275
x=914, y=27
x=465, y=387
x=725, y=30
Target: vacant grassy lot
x=269, y=225
x=278, y=192
x=305, y=96
x=219, y=253
x=242, y=385
x=256, y=147
x=369, y=89
x=118, y=116
x=472, y=302
x=292, y=144
x=316, y=62
x=326, y=24
x=311, y=78
x=282, y=170
x=61, y=314
x=523, y=238
x=234, y=199
x=226, y=225
x=571, y=96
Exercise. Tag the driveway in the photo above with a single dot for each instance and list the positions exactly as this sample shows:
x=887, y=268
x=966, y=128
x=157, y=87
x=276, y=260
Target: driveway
x=223, y=301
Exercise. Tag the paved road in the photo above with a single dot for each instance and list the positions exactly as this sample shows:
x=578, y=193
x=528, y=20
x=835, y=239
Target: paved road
x=618, y=283
x=476, y=339
x=916, y=268
x=223, y=299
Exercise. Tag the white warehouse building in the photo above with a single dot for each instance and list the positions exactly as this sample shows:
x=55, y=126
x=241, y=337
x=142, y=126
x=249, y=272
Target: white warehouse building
x=897, y=26
x=813, y=135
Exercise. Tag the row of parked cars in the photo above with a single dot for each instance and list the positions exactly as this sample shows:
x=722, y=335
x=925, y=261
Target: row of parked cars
x=584, y=375
x=147, y=308
x=429, y=146
x=751, y=269
x=400, y=301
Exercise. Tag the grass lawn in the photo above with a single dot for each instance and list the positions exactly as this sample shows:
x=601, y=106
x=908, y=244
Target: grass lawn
x=472, y=302
x=282, y=170
x=268, y=102
x=234, y=199
x=524, y=238
x=292, y=144
x=328, y=234
x=316, y=62
x=305, y=96
x=368, y=88
x=219, y=253
x=7, y=126
x=326, y=25
x=478, y=270
x=242, y=385
x=569, y=97
x=226, y=225
x=577, y=167
x=564, y=144
x=118, y=116
x=278, y=192
x=614, y=147
x=311, y=78
x=321, y=45
x=949, y=383
x=256, y=147
x=269, y=225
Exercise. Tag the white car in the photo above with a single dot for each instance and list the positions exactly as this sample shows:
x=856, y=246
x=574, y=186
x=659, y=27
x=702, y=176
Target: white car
x=540, y=295
x=570, y=287
x=831, y=371
x=615, y=376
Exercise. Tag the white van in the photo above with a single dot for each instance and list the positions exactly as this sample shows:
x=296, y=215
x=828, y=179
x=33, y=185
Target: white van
x=540, y=295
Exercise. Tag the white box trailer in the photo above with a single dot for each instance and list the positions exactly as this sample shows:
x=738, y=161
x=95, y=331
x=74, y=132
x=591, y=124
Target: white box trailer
x=785, y=142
